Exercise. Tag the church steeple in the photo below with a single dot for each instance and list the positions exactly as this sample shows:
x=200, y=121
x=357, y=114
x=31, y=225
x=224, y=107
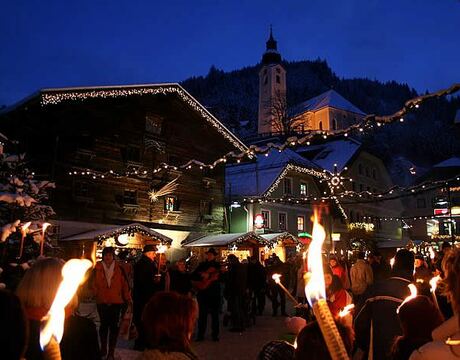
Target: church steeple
x=272, y=88
x=271, y=55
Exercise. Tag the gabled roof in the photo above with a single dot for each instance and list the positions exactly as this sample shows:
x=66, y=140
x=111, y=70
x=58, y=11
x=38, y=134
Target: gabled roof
x=329, y=98
x=326, y=155
x=226, y=240
x=275, y=237
x=452, y=162
x=53, y=96
x=97, y=235
x=254, y=179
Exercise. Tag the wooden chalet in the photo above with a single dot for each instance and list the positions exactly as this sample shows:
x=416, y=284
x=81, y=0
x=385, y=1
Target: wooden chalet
x=242, y=245
x=108, y=148
x=282, y=244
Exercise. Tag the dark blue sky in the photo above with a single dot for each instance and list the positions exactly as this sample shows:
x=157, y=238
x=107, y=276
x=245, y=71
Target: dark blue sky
x=56, y=43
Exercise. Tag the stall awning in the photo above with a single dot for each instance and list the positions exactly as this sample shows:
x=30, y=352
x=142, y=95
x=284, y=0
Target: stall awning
x=275, y=237
x=102, y=234
x=227, y=239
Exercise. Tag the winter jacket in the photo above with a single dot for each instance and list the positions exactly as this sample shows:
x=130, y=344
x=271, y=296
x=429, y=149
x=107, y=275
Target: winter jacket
x=154, y=354
x=361, y=277
x=117, y=293
x=377, y=319
x=446, y=329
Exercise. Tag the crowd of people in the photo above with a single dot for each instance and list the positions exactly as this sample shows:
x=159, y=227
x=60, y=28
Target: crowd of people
x=170, y=304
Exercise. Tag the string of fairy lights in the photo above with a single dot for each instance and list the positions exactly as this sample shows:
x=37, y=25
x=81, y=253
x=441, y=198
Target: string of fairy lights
x=244, y=153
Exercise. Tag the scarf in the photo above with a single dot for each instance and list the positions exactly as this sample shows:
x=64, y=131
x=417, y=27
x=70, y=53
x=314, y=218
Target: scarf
x=108, y=272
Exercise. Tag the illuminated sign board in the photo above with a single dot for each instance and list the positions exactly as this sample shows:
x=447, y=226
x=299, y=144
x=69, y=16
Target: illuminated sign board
x=259, y=221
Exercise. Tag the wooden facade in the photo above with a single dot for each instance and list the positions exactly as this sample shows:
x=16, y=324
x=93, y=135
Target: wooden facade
x=103, y=147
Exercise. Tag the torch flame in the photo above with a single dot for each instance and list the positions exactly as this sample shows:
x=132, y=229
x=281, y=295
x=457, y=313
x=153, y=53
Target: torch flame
x=304, y=255
x=346, y=310
x=392, y=262
x=73, y=273
x=162, y=249
x=25, y=227
x=276, y=277
x=413, y=294
x=315, y=288
x=434, y=283
x=432, y=254
x=45, y=226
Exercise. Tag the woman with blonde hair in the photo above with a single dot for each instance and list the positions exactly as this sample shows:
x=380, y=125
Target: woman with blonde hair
x=447, y=348
x=36, y=291
x=169, y=319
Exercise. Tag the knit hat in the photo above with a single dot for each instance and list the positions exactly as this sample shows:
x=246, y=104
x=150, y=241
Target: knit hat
x=149, y=247
x=277, y=350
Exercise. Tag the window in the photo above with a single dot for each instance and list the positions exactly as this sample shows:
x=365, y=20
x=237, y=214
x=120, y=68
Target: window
x=278, y=79
x=367, y=172
x=205, y=207
x=153, y=124
x=81, y=189
x=353, y=186
x=282, y=221
x=334, y=124
x=361, y=187
x=303, y=189
x=265, y=80
x=266, y=216
x=130, y=197
x=287, y=186
x=374, y=174
x=300, y=223
x=421, y=203
x=133, y=153
x=171, y=203
x=360, y=169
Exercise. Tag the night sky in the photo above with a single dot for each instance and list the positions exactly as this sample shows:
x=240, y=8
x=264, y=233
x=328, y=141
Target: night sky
x=56, y=43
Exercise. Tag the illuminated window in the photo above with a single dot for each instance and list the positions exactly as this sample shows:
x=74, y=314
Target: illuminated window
x=282, y=221
x=287, y=186
x=300, y=223
x=266, y=216
x=303, y=189
x=171, y=203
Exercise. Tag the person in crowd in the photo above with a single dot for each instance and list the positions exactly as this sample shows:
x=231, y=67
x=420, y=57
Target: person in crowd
x=445, y=248
x=338, y=269
x=421, y=270
x=300, y=288
x=13, y=327
x=337, y=296
x=146, y=283
x=112, y=292
x=277, y=350
x=311, y=344
x=169, y=319
x=418, y=318
x=257, y=284
x=205, y=279
x=380, y=268
x=377, y=319
x=123, y=260
x=277, y=295
x=36, y=291
x=235, y=292
x=361, y=277
x=445, y=346
x=181, y=279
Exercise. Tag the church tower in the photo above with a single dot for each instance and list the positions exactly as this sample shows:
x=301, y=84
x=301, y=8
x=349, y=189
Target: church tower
x=272, y=89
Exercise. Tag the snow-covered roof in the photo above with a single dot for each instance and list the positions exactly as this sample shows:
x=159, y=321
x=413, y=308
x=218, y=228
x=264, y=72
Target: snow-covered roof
x=226, y=240
x=115, y=231
x=254, y=179
x=329, y=98
x=338, y=152
x=452, y=162
x=275, y=237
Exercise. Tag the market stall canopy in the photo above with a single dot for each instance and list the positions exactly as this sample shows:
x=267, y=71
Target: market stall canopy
x=102, y=234
x=227, y=240
x=285, y=237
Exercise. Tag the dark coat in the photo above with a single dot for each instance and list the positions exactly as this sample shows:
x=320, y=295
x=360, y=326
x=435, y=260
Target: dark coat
x=257, y=276
x=180, y=282
x=144, y=284
x=381, y=301
x=213, y=290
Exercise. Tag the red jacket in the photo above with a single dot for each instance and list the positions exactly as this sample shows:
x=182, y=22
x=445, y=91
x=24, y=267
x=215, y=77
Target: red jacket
x=117, y=293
